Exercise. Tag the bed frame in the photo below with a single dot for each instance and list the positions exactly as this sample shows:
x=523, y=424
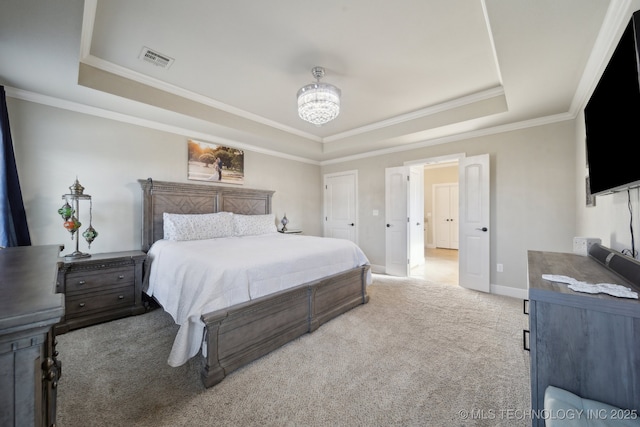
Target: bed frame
x=240, y=334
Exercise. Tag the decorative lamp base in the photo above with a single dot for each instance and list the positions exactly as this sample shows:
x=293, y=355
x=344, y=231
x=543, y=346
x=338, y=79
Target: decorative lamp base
x=77, y=255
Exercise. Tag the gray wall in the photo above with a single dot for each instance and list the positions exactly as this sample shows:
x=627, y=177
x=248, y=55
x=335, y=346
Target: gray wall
x=533, y=185
x=532, y=194
x=53, y=146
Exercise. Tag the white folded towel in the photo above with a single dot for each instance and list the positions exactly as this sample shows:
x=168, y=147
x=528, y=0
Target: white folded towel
x=599, y=288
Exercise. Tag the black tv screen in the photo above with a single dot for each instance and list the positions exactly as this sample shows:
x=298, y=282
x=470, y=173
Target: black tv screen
x=612, y=119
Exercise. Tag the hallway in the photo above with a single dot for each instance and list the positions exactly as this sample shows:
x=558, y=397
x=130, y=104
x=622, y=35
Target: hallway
x=441, y=265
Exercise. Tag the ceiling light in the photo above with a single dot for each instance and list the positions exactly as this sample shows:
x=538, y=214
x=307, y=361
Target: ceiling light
x=318, y=103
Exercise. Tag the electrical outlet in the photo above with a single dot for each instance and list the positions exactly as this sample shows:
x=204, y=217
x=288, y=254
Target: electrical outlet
x=499, y=268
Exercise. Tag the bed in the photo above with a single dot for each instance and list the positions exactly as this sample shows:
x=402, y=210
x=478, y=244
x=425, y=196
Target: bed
x=271, y=287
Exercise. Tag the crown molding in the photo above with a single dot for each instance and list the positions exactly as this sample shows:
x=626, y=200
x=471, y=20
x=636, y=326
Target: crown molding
x=424, y=112
x=125, y=118
x=189, y=133
x=457, y=137
x=613, y=25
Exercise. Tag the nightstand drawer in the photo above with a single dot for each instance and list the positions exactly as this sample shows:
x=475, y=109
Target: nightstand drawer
x=81, y=281
x=100, y=288
x=81, y=305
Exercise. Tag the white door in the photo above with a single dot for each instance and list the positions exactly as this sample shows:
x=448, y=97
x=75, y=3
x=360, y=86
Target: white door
x=396, y=220
x=475, y=244
x=340, y=205
x=445, y=203
x=416, y=216
x=455, y=215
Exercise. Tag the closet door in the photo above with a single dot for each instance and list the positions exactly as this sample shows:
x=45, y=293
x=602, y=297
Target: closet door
x=446, y=215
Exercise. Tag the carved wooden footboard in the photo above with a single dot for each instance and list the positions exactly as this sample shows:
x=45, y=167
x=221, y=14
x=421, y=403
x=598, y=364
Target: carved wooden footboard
x=243, y=333
x=240, y=334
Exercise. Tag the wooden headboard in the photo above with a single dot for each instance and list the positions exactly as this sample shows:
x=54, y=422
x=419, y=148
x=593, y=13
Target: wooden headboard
x=182, y=198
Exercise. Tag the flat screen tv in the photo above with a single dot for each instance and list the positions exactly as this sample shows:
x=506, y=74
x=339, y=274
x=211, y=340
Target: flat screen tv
x=612, y=119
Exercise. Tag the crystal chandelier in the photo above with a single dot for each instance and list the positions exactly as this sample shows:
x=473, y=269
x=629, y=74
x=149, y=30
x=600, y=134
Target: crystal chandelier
x=318, y=103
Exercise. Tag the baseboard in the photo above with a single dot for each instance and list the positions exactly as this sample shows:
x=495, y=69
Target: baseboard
x=378, y=269
x=510, y=292
x=495, y=289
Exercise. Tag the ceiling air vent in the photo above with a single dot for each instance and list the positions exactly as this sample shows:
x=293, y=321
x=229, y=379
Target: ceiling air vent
x=155, y=58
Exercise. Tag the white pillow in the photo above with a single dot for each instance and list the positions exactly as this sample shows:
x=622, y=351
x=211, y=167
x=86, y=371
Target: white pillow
x=251, y=225
x=197, y=226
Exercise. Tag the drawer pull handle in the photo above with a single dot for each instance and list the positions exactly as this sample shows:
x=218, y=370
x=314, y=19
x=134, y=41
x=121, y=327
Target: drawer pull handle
x=81, y=282
x=525, y=306
x=81, y=304
x=120, y=296
x=121, y=276
x=525, y=335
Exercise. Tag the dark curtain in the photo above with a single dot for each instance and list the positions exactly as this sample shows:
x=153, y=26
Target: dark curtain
x=14, y=230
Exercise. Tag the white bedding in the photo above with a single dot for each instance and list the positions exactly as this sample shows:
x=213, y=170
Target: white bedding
x=190, y=278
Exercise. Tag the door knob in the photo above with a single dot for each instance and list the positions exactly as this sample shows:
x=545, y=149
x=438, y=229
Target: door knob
x=388, y=225
x=352, y=224
x=482, y=229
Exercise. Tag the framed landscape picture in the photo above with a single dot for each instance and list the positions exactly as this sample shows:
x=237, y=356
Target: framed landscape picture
x=215, y=163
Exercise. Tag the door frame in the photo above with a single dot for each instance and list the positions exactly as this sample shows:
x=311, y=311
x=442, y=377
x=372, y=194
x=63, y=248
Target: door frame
x=449, y=158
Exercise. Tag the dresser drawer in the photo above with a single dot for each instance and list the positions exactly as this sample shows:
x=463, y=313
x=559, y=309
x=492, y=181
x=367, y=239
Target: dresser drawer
x=92, y=302
x=81, y=281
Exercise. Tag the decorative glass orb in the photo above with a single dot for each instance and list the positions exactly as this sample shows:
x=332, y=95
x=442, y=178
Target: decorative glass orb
x=66, y=211
x=90, y=235
x=72, y=224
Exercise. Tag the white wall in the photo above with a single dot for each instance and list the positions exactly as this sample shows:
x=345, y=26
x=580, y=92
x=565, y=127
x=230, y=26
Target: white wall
x=610, y=219
x=533, y=190
x=53, y=146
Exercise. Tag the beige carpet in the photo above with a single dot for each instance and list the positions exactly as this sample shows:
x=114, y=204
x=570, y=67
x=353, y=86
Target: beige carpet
x=418, y=354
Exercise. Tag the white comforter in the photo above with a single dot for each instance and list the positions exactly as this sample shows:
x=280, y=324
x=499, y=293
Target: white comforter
x=190, y=278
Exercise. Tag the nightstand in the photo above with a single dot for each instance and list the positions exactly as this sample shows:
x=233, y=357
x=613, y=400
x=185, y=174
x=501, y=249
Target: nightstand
x=290, y=231
x=103, y=287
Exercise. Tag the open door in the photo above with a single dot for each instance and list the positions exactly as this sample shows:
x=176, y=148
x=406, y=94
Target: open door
x=474, y=236
x=396, y=221
x=416, y=216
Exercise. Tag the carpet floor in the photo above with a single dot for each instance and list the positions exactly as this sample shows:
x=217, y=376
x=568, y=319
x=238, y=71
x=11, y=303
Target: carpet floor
x=418, y=354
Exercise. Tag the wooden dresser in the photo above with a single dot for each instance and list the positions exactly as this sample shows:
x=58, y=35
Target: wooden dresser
x=103, y=287
x=29, y=307
x=587, y=344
